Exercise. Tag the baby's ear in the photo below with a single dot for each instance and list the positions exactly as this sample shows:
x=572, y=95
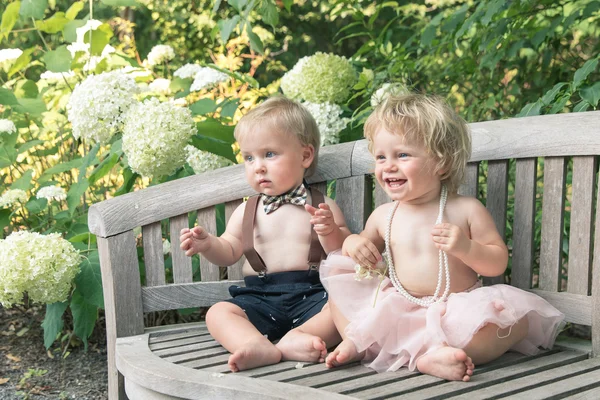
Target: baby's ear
x=308, y=155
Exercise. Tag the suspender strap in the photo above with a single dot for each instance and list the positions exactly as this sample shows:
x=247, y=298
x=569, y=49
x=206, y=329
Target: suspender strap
x=255, y=260
x=315, y=252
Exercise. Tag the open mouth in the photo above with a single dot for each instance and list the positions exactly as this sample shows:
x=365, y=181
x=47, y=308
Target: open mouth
x=394, y=182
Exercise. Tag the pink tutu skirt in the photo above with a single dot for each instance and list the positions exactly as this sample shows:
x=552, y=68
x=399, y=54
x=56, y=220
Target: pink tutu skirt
x=396, y=332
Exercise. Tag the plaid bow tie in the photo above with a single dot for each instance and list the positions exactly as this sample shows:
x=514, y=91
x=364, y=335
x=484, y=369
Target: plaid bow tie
x=296, y=197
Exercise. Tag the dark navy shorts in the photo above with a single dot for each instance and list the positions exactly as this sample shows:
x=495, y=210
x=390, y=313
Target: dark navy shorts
x=281, y=301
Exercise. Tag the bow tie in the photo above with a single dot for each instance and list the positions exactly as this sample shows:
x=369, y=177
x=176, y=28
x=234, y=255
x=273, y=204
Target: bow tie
x=296, y=197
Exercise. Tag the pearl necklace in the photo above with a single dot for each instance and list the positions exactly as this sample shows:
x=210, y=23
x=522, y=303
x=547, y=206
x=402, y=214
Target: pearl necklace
x=443, y=260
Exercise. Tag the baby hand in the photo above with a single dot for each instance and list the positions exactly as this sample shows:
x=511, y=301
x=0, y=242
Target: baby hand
x=451, y=239
x=195, y=240
x=322, y=219
x=361, y=250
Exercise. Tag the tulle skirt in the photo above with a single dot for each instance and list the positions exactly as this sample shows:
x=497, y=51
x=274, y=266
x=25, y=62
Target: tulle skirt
x=395, y=332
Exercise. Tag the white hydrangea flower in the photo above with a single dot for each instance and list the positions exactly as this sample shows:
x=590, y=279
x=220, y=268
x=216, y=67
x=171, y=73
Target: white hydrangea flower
x=98, y=105
x=155, y=135
x=320, y=78
x=8, y=56
x=6, y=125
x=207, y=77
x=166, y=247
x=385, y=90
x=202, y=161
x=57, y=77
x=188, y=71
x=328, y=120
x=159, y=54
x=51, y=193
x=13, y=196
x=160, y=85
x=91, y=24
x=44, y=266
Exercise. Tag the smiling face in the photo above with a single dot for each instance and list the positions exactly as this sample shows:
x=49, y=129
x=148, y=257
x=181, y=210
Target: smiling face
x=275, y=162
x=404, y=168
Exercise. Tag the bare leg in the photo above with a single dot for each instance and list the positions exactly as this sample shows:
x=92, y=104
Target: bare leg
x=346, y=351
x=309, y=341
x=230, y=326
x=491, y=342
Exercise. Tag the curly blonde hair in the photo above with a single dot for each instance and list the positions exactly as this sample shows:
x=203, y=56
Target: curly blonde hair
x=429, y=121
x=284, y=116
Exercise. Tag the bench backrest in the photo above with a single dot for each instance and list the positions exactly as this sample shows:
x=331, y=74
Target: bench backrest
x=549, y=161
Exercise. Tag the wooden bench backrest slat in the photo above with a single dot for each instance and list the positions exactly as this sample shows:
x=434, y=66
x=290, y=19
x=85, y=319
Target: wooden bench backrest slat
x=186, y=295
x=497, y=193
x=380, y=196
x=353, y=195
x=582, y=209
x=553, y=205
x=154, y=259
x=234, y=271
x=207, y=219
x=471, y=183
x=182, y=264
x=596, y=281
x=524, y=223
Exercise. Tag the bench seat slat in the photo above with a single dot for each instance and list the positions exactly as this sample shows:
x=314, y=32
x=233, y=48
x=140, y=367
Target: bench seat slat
x=569, y=386
x=181, y=342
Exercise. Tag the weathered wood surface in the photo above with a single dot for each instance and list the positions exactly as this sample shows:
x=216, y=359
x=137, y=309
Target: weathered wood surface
x=206, y=374
x=194, y=294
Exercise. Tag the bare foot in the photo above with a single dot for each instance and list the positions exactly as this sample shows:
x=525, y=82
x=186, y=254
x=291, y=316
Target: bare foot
x=255, y=353
x=343, y=354
x=447, y=363
x=300, y=346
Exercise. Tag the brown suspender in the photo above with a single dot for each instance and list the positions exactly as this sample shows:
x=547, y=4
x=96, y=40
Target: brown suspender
x=315, y=252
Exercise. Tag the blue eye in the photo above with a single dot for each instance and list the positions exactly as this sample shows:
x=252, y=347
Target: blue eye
x=248, y=158
x=379, y=157
x=269, y=154
x=402, y=155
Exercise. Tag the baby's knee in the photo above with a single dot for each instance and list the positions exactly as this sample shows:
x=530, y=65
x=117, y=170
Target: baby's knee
x=222, y=310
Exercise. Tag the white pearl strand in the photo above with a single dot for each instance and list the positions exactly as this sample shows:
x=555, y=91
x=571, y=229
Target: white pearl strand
x=443, y=260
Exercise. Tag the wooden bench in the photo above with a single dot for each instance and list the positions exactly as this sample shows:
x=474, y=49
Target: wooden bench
x=183, y=361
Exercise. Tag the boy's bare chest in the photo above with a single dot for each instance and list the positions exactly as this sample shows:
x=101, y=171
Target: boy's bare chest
x=289, y=222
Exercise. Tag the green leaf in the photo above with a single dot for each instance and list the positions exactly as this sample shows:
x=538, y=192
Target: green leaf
x=240, y=77
x=28, y=145
x=7, y=97
x=58, y=60
x=21, y=62
x=288, y=4
x=551, y=94
x=54, y=24
x=120, y=3
x=69, y=31
x=34, y=107
x=203, y=106
x=560, y=104
x=178, y=84
x=8, y=156
x=74, y=194
x=9, y=17
x=104, y=168
x=237, y=4
x=492, y=9
x=53, y=322
x=74, y=10
x=428, y=35
x=255, y=43
x=530, y=110
x=214, y=146
x=581, y=107
x=84, y=316
x=24, y=182
x=216, y=6
x=36, y=206
x=226, y=26
x=582, y=73
x=269, y=13
x=33, y=8
x=62, y=167
x=229, y=107
x=89, y=279
x=26, y=88
x=591, y=94
x=214, y=129
x=89, y=159
x=129, y=178
x=4, y=218
x=100, y=38
x=452, y=22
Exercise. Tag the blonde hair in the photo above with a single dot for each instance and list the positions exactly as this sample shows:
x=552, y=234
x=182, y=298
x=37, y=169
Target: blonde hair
x=429, y=121
x=287, y=117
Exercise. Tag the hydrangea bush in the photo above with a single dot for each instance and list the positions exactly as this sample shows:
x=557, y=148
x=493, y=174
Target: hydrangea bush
x=202, y=161
x=43, y=266
x=329, y=120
